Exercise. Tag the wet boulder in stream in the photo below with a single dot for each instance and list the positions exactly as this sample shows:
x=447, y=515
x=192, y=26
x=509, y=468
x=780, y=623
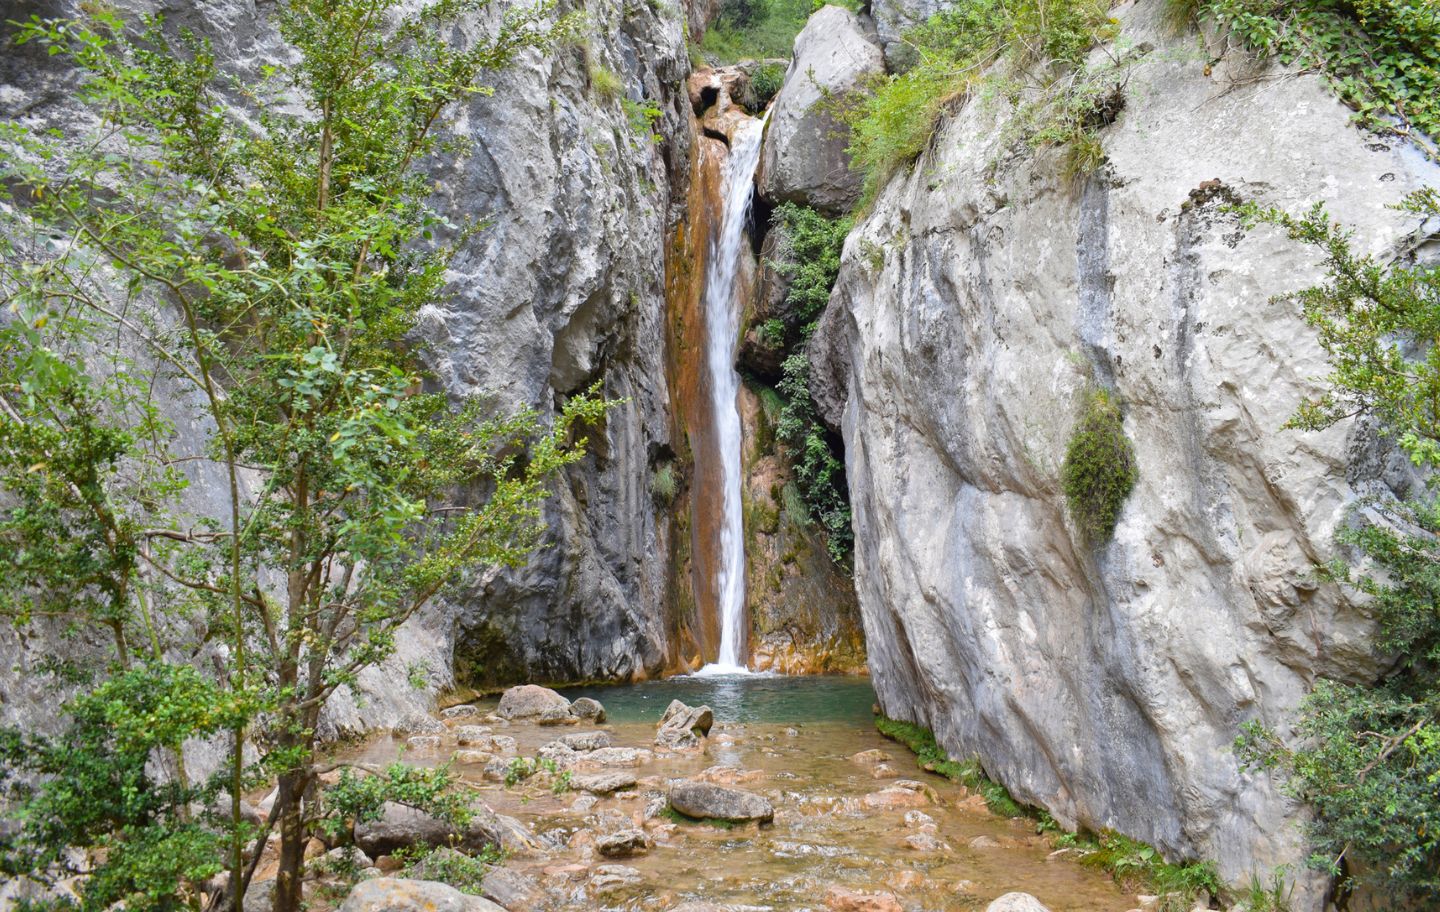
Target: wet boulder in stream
x=682, y=727
x=393, y=894
x=528, y=701
x=704, y=801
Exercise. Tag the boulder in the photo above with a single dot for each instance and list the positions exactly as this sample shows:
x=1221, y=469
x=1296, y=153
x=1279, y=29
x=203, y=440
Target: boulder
x=681, y=727
x=418, y=723
x=400, y=826
x=511, y=889
x=622, y=843
x=602, y=783
x=557, y=715
x=422, y=742
x=702, y=800
x=393, y=894
x=463, y=711
x=471, y=735
x=588, y=709
x=530, y=700
x=586, y=741
x=804, y=159
x=1016, y=902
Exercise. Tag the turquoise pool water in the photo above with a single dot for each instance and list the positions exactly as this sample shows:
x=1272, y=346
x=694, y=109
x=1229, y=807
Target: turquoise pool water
x=741, y=698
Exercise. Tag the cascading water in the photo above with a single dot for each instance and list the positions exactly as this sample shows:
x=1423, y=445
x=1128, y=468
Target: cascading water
x=722, y=329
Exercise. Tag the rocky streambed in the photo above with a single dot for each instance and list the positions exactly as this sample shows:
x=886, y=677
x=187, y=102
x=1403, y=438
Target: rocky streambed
x=727, y=809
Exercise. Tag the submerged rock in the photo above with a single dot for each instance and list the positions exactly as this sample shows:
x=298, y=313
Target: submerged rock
x=602, y=783
x=394, y=894
x=839, y=899
x=702, y=800
x=527, y=701
x=586, y=741
x=1016, y=902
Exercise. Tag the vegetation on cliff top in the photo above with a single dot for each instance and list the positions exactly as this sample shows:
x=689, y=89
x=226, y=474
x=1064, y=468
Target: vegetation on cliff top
x=1367, y=758
x=250, y=258
x=758, y=29
x=1043, y=44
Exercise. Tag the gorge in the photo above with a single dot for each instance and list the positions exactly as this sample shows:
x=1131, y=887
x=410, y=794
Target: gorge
x=840, y=379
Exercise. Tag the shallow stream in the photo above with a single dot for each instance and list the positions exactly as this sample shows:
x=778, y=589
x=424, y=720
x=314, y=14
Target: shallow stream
x=792, y=740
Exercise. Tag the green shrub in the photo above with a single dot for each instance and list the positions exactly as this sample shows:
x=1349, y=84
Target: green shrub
x=663, y=485
x=766, y=83
x=606, y=83
x=1382, y=57
x=1099, y=469
x=1042, y=40
x=1139, y=867
x=755, y=30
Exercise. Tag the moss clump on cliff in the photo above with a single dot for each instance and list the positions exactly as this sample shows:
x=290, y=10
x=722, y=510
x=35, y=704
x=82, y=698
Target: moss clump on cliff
x=1099, y=469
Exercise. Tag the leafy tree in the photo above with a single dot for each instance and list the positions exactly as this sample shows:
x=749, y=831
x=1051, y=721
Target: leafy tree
x=1368, y=758
x=1099, y=470
x=267, y=247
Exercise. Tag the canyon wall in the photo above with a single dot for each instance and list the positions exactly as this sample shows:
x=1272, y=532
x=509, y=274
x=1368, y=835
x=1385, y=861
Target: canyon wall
x=981, y=296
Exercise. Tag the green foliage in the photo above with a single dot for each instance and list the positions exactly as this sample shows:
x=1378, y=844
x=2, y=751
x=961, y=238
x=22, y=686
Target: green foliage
x=605, y=83
x=808, y=255
x=360, y=797
x=663, y=484
x=465, y=873
x=766, y=82
x=522, y=768
x=1382, y=57
x=1099, y=470
x=754, y=30
x=643, y=116
x=92, y=786
x=1139, y=867
x=1367, y=758
x=1042, y=42
x=1274, y=896
x=268, y=247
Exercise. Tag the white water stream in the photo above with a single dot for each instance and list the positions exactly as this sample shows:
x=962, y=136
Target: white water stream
x=722, y=330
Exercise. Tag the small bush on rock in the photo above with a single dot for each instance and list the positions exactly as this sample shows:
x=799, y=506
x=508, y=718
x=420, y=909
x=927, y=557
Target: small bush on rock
x=1099, y=469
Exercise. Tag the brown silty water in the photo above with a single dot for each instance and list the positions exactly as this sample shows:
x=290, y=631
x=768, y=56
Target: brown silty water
x=838, y=823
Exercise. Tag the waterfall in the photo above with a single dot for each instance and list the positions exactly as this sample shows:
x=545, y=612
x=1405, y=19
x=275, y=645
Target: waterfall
x=722, y=330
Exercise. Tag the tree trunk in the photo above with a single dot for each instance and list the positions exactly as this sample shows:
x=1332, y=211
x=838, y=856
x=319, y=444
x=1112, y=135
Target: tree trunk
x=292, y=788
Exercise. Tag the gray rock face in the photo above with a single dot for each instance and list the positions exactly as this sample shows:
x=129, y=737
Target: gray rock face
x=1107, y=685
x=703, y=800
x=394, y=894
x=804, y=160
x=563, y=289
x=893, y=18
x=528, y=701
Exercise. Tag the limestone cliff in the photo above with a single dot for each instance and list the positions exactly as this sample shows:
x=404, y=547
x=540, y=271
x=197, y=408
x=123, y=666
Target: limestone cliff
x=980, y=297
